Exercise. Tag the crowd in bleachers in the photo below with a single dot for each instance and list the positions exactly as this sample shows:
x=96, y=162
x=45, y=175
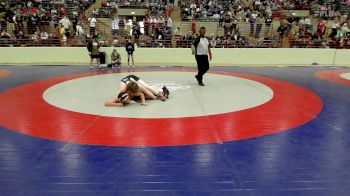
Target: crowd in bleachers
x=40, y=21
x=154, y=7
x=41, y=12
x=152, y=30
x=159, y=4
x=323, y=35
x=245, y=23
x=259, y=14
x=242, y=10
x=221, y=9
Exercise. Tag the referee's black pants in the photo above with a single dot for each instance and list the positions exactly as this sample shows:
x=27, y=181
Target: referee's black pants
x=203, y=66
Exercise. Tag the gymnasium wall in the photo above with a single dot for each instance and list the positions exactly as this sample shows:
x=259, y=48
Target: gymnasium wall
x=180, y=56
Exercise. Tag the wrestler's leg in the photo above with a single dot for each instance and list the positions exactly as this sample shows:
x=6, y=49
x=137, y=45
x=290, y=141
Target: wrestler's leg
x=148, y=87
x=150, y=91
x=122, y=87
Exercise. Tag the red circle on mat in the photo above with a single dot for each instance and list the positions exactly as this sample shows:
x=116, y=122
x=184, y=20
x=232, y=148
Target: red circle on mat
x=24, y=110
x=334, y=76
x=4, y=73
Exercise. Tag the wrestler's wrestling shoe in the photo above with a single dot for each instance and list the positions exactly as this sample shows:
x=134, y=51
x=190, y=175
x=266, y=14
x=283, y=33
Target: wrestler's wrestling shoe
x=166, y=92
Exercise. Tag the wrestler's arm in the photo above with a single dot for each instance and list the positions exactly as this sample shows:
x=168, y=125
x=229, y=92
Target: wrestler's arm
x=113, y=103
x=142, y=96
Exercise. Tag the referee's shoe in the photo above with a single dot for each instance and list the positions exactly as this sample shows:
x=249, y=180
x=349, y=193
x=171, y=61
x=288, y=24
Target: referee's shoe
x=199, y=82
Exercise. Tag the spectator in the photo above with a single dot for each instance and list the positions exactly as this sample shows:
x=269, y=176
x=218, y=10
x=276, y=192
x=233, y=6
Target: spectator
x=216, y=16
x=4, y=37
x=92, y=24
x=136, y=34
x=122, y=24
x=79, y=30
x=268, y=22
x=177, y=32
x=33, y=23
x=161, y=22
x=75, y=21
x=221, y=19
x=259, y=23
x=301, y=24
x=36, y=38
x=146, y=24
x=94, y=51
x=321, y=28
x=66, y=24
x=294, y=30
x=115, y=26
x=308, y=25
x=44, y=35
x=153, y=22
x=130, y=48
x=169, y=24
x=252, y=21
x=79, y=33
x=20, y=35
x=115, y=59
x=189, y=36
x=94, y=11
x=170, y=10
x=193, y=26
x=282, y=29
x=345, y=29
x=129, y=26
x=62, y=31
x=335, y=28
x=45, y=21
x=98, y=36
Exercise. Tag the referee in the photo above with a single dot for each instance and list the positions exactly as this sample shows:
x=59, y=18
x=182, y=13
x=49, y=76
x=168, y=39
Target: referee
x=202, y=50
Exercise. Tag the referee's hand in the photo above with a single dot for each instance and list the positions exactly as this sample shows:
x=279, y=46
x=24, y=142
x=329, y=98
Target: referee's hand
x=210, y=57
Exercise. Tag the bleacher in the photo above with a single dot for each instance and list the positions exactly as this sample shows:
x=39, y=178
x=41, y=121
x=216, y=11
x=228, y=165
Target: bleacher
x=251, y=36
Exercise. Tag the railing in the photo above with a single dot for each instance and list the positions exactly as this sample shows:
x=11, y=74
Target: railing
x=242, y=28
x=131, y=4
x=143, y=42
x=29, y=30
x=155, y=43
x=235, y=43
x=319, y=44
x=81, y=42
x=308, y=42
x=149, y=43
x=281, y=14
x=202, y=19
x=51, y=42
